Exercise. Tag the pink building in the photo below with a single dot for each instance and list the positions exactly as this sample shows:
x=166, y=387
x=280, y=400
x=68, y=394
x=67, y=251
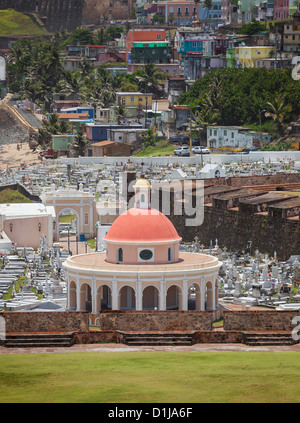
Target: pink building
x=178, y=12
x=281, y=9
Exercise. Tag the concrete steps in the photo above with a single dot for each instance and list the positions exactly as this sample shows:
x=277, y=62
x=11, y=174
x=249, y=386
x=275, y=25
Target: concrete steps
x=24, y=340
x=158, y=338
x=268, y=338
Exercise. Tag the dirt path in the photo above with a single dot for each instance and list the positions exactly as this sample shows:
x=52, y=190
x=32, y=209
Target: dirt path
x=11, y=157
x=126, y=348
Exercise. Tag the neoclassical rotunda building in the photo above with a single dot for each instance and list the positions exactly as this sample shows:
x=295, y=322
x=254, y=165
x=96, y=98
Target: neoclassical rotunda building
x=142, y=267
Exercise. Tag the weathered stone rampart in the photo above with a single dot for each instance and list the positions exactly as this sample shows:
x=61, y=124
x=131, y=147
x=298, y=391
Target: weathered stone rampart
x=256, y=320
x=157, y=320
x=20, y=322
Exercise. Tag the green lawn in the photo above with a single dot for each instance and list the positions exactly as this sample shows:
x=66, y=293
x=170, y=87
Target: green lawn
x=16, y=23
x=9, y=195
x=162, y=148
x=150, y=377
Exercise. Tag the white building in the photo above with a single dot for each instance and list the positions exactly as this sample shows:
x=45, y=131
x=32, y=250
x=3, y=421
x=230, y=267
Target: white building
x=234, y=137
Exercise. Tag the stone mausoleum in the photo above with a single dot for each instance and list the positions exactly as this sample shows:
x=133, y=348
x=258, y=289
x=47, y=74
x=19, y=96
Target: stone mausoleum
x=142, y=267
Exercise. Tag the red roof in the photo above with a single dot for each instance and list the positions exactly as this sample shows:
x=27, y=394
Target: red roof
x=142, y=225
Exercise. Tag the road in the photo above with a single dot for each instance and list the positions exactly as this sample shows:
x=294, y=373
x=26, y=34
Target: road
x=26, y=114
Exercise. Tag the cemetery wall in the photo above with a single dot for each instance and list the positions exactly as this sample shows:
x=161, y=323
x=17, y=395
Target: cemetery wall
x=46, y=321
x=197, y=159
x=256, y=320
x=157, y=320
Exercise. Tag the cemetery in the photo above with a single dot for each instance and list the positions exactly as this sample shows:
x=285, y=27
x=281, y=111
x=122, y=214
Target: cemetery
x=256, y=287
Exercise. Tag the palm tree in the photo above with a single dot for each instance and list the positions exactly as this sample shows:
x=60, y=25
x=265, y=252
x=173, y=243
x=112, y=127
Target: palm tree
x=199, y=121
x=79, y=143
x=150, y=79
x=279, y=109
x=121, y=112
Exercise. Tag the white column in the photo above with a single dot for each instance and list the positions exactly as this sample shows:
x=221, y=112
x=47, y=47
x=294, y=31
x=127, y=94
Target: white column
x=68, y=293
x=138, y=294
x=202, y=292
x=162, y=297
x=94, y=296
x=185, y=294
x=213, y=294
x=114, y=295
x=77, y=295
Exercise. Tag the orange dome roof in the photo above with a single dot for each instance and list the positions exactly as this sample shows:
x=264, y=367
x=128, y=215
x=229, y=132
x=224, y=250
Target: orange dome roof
x=142, y=225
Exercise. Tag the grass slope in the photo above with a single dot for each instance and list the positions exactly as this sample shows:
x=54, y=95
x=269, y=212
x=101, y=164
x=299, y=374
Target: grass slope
x=9, y=195
x=16, y=23
x=150, y=377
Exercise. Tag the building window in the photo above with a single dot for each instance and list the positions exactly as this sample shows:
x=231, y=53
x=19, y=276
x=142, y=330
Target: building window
x=178, y=11
x=187, y=12
x=86, y=219
x=158, y=37
x=146, y=254
x=194, y=44
x=169, y=254
x=132, y=99
x=120, y=254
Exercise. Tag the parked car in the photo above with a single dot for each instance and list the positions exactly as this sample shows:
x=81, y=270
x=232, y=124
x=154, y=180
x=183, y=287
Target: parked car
x=201, y=150
x=184, y=153
x=179, y=150
x=179, y=139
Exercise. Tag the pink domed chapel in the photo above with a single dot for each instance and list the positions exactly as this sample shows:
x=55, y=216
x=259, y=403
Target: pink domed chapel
x=142, y=267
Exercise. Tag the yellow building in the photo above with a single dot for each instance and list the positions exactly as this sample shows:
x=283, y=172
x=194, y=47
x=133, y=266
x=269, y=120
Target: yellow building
x=135, y=102
x=246, y=56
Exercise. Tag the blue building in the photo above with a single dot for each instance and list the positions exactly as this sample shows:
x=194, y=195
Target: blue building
x=96, y=132
x=80, y=109
x=211, y=17
x=190, y=44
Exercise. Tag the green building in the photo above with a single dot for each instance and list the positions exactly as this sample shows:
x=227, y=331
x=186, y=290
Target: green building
x=230, y=57
x=61, y=142
x=151, y=52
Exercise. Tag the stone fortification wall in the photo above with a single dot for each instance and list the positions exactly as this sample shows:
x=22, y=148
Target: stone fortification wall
x=267, y=320
x=71, y=14
x=17, y=322
x=56, y=14
x=156, y=320
x=266, y=233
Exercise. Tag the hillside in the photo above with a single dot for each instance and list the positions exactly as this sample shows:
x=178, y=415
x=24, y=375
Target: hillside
x=16, y=23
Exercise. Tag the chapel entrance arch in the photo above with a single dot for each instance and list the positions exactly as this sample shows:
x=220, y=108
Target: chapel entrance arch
x=127, y=298
x=194, y=300
x=103, y=301
x=150, y=298
x=174, y=298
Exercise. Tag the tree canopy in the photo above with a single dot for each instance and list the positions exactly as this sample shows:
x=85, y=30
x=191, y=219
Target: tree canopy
x=238, y=96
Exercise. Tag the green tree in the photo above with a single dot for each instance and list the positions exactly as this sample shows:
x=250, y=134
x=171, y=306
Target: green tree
x=150, y=137
x=121, y=112
x=150, y=79
x=79, y=143
x=278, y=109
